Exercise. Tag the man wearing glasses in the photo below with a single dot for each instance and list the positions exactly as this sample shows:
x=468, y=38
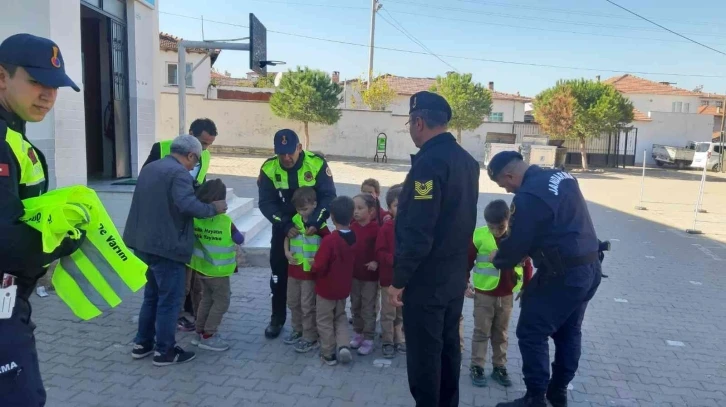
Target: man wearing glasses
x=160, y=230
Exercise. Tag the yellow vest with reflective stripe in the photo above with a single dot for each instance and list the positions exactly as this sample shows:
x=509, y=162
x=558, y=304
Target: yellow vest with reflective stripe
x=31, y=173
x=303, y=247
x=165, y=149
x=103, y=270
x=486, y=276
x=306, y=175
x=215, y=253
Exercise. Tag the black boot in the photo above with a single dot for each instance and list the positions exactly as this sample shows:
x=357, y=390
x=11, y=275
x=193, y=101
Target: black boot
x=274, y=329
x=557, y=395
x=529, y=400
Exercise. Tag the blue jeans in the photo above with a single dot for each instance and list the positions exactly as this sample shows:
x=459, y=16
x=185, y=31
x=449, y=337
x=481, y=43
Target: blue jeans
x=165, y=281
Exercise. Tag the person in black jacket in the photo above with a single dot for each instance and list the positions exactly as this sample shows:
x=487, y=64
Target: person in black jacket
x=434, y=227
x=31, y=71
x=279, y=178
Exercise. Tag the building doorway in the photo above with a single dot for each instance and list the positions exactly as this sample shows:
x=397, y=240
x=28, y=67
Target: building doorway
x=104, y=50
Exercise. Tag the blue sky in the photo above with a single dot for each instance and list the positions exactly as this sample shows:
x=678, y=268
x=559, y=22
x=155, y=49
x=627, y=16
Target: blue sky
x=589, y=34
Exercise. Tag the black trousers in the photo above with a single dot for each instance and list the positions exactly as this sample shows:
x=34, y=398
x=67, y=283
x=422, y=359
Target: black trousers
x=433, y=355
x=20, y=381
x=278, y=280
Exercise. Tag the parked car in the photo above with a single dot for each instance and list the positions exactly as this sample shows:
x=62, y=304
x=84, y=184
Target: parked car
x=708, y=154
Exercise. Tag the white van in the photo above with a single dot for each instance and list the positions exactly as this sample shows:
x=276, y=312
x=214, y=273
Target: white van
x=708, y=154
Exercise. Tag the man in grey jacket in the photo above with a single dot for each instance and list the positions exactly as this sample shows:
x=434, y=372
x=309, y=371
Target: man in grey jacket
x=160, y=229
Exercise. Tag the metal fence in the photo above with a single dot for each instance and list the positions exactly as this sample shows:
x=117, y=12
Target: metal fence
x=613, y=149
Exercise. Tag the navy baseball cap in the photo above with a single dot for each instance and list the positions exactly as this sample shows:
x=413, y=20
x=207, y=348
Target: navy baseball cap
x=429, y=101
x=40, y=57
x=499, y=161
x=286, y=141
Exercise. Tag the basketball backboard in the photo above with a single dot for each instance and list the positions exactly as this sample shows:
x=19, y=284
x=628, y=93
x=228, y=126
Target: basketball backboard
x=258, y=46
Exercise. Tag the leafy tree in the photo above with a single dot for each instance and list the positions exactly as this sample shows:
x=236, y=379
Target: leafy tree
x=581, y=109
x=378, y=97
x=470, y=102
x=309, y=96
x=267, y=81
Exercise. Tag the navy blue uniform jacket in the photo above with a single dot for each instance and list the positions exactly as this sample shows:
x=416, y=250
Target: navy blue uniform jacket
x=436, y=217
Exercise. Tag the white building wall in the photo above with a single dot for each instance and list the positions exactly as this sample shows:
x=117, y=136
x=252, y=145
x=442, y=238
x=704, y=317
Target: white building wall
x=673, y=129
x=200, y=77
x=61, y=135
x=144, y=87
x=663, y=103
x=252, y=124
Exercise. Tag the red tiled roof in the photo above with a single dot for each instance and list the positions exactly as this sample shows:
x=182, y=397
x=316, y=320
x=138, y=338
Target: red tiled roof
x=706, y=95
x=168, y=42
x=224, y=80
x=630, y=84
x=408, y=86
x=710, y=110
x=639, y=116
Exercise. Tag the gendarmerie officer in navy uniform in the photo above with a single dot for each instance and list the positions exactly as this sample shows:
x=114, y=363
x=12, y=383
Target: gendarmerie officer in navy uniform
x=551, y=224
x=434, y=226
x=31, y=71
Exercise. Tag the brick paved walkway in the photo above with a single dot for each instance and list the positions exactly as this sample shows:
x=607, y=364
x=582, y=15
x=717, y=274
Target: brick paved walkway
x=664, y=286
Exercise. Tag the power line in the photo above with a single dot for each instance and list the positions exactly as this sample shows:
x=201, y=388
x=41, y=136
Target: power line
x=667, y=29
x=523, y=27
x=412, y=38
x=520, y=17
x=458, y=56
x=564, y=22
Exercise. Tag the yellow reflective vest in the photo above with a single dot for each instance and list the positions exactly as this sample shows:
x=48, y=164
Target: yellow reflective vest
x=165, y=149
x=215, y=253
x=486, y=276
x=32, y=176
x=103, y=270
x=306, y=175
x=303, y=247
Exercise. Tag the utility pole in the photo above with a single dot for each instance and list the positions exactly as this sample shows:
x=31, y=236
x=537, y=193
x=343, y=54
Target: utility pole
x=375, y=6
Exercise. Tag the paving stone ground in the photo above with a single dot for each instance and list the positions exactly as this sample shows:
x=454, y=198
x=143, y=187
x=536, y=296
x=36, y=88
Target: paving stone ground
x=653, y=335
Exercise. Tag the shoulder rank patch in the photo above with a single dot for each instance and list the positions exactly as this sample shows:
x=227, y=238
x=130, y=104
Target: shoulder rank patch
x=423, y=189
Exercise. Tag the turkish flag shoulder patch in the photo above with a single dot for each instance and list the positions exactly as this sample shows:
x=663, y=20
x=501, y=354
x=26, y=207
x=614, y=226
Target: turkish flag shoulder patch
x=4, y=170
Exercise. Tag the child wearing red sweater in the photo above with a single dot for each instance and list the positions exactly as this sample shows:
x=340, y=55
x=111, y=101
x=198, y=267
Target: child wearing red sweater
x=333, y=271
x=391, y=316
x=373, y=188
x=493, y=296
x=300, y=280
x=364, y=291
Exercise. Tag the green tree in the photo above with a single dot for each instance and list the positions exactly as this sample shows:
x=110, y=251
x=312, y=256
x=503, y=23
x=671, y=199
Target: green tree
x=580, y=109
x=470, y=102
x=309, y=96
x=267, y=81
x=378, y=97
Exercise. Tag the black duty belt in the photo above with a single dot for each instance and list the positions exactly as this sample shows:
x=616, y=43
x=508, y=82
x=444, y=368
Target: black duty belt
x=570, y=262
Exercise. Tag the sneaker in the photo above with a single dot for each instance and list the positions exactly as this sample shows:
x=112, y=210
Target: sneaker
x=292, y=338
x=401, y=348
x=366, y=347
x=185, y=325
x=329, y=360
x=304, y=346
x=389, y=352
x=344, y=355
x=213, y=343
x=357, y=341
x=197, y=338
x=478, y=378
x=500, y=375
x=173, y=356
x=141, y=351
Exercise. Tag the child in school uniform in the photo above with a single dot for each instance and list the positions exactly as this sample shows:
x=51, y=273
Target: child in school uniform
x=300, y=251
x=391, y=316
x=333, y=270
x=364, y=291
x=373, y=188
x=213, y=278
x=493, y=296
